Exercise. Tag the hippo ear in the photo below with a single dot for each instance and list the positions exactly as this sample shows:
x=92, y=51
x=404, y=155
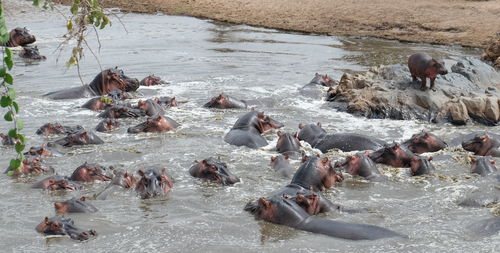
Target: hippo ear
x=286, y=157
x=83, y=198
x=261, y=115
x=301, y=126
x=140, y=172
x=484, y=138
x=304, y=159
x=46, y=220
x=325, y=160
x=318, y=124
x=296, y=135
x=164, y=171
x=264, y=203
x=279, y=133
x=285, y=196
x=473, y=159
x=430, y=158
x=426, y=135
x=316, y=74
x=273, y=158
x=492, y=161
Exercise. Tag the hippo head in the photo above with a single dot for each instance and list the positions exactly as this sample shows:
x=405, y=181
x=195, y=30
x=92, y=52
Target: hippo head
x=118, y=94
x=329, y=176
x=99, y=103
x=438, y=66
x=310, y=203
x=279, y=210
x=155, y=124
x=277, y=160
x=167, y=101
x=74, y=205
x=359, y=164
x=311, y=133
x=124, y=179
x=89, y=173
x=150, y=107
x=121, y=111
x=56, y=183
x=316, y=174
x=113, y=79
x=287, y=142
x=82, y=137
x=153, y=182
x=151, y=80
x=51, y=128
x=394, y=155
x=31, y=165
x=107, y=125
x=425, y=142
x=324, y=80
x=220, y=101
x=421, y=165
x=7, y=140
x=32, y=53
x=266, y=123
x=483, y=165
x=480, y=145
x=213, y=170
x=21, y=37
x=63, y=226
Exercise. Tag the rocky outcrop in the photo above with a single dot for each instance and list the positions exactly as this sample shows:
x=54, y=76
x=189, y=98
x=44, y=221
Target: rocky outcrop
x=470, y=92
x=492, y=52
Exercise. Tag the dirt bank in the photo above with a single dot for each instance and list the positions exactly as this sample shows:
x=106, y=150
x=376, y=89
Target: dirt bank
x=463, y=22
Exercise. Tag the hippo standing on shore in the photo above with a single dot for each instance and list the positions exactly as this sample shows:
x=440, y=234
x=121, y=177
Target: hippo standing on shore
x=103, y=83
x=19, y=37
x=423, y=66
x=248, y=129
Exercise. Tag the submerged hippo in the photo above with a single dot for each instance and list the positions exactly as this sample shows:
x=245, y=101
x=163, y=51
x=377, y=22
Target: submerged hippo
x=224, y=101
x=483, y=166
x=31, y=165
x=288, y=144
x=150, y=107
x=121, y=111
x=75, y=205
x=56, y=183
x=287, y=212
x=99, y=103
x=31, y=53
x=19, y=37
x=166, y=101
x=7, y=140
x=151, y=80
x=423, y=66
x=43, y=151
x=420, y=165
x=56, y=128
x=103, y=83
x=248, y=129
x=88, y=172
x=82, y=137
x=313, y=88
x=486, y=227
x=154, y=182
x=214, y=170
x=282, y=166
x=318, y=138
x=361, y=165
x=394, y=155
x=483, y=145
x=154, y=124
x=107, y=125
x=121, y=179
x=63, y=226
x=316, y=174
x=424, y=142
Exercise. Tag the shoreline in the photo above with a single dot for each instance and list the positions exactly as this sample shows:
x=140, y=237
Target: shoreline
x=446, y=22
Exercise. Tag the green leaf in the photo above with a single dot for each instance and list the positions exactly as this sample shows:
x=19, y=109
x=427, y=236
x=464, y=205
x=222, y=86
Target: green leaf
x=8, y=53
x=5, y=101
x=10, y=173
x=21, y=156
x=105, y=21
x=8, y=62
x=8, y=78
x=8, y=116
x=12, y=93
x=15, y=163
x=21, y=138
x=13, y=133
x=36, y=3
x=74, y=8
x=19, y=147
x=16, y=106
x=69, y=25
x=3, y=71
x=20, y=124
x=4, y=32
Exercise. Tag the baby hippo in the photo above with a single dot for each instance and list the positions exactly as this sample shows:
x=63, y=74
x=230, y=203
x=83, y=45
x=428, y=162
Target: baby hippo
x=423, y=66
x=282, y=166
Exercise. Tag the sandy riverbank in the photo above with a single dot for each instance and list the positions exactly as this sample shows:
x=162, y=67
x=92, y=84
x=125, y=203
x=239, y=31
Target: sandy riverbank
x=462, y=22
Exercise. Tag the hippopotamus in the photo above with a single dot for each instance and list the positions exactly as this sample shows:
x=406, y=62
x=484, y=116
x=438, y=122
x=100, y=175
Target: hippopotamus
x=121, y=111
x=248, y=129
x=361, y=165
x=316, y=174
x=121, y=179
x=166, y=101
x=82, y=137
x=486, y=227
x=103, y=83
x=31, y=165
x=99, y=103
x=288, y=144
x=318, y=138
x=56, y=183
x=285, y=211
x=457, y=141
x=89, y=172
x=214, y=170
x=424, y=142
x=150, y=107
x=282, y=166
x=420, y=165
x=224, y=101
x=7, y=140
x=483, y=165
x=154, y=182
x=107, y=125
x=19, y=37
x=151, y=80
x=313, y=88
x=395, y=155
x=154, y=124
x=43, y=151
x=31, y=53
x=483, y=145
x=75, y=205
x=56, y=128
x=64, y=226
x=423, y=66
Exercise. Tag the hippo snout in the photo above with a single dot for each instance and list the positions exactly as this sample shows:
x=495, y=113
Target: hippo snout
x=132, y=84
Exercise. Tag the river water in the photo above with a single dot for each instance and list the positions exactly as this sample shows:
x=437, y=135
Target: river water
x=202, y=58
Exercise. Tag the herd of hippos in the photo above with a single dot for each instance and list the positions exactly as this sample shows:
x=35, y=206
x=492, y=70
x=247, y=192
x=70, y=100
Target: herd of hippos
x=295, y=205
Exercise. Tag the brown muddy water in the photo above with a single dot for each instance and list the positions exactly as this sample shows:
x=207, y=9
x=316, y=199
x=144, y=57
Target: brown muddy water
x=202, y=58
